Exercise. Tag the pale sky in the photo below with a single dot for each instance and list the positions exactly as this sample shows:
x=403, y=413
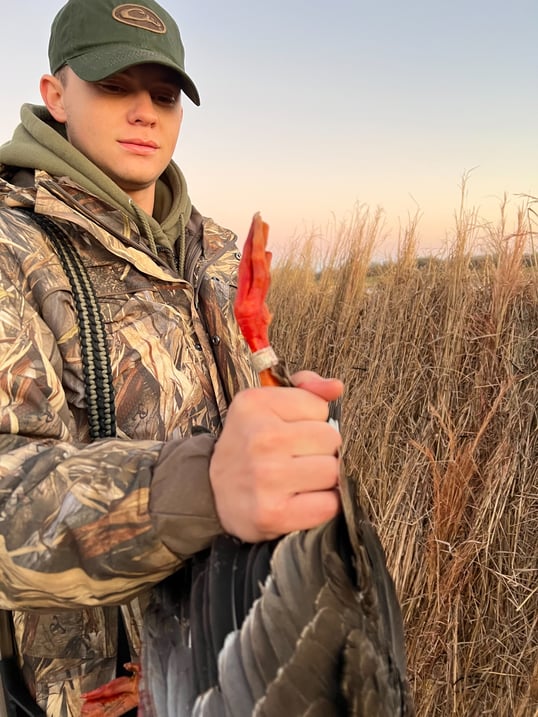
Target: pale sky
x=311, y=107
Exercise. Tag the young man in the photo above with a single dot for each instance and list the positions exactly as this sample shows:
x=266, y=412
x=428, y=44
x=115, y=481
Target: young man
x=131, y=429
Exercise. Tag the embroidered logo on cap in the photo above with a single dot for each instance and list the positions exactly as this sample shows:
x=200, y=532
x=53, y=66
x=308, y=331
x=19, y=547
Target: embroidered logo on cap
x=139, y=16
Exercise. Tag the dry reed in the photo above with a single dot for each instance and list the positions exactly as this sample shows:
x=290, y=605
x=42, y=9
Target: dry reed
x=440, y=361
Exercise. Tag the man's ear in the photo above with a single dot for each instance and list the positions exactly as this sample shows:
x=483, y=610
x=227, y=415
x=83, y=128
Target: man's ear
x=52, y=92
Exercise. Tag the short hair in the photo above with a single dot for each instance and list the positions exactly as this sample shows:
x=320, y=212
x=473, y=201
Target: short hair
x=61, y=74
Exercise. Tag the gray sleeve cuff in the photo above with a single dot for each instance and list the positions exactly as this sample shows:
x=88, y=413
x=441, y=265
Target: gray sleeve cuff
x=182, y=505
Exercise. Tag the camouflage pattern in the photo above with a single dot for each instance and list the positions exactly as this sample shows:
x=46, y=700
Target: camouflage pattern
x=76, y=536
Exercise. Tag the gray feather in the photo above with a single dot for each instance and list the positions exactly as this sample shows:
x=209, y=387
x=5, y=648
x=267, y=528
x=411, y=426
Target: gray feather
x=278, y=624
x=166, y=688
x=257, y=663
x=235, y=688
x=379, y=692
x=312, y=674
x=322, y=708
x=210, y=704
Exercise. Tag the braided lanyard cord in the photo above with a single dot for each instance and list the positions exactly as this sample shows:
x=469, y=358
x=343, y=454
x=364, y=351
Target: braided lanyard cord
x=95, y=357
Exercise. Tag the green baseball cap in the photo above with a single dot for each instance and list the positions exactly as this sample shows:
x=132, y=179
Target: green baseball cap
x=98, y=38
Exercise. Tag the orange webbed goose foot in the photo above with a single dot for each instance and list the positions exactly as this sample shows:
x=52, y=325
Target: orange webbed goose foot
x=115, y=698
x=250, y=308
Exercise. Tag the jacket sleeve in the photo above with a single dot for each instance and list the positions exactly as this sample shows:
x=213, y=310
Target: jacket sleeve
x=75, y=523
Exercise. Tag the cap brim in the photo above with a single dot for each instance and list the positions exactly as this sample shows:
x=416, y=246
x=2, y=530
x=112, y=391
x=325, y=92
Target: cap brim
x=96, y=65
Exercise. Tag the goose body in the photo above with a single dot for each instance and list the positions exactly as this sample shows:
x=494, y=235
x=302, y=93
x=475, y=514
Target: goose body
x=304, y=626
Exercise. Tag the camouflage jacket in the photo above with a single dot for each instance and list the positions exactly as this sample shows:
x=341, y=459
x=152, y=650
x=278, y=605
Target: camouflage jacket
x=79, y=534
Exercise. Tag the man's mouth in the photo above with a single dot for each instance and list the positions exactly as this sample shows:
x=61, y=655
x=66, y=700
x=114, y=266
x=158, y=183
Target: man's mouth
x=139, y=146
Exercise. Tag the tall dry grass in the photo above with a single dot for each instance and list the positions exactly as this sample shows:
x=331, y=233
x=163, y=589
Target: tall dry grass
x=440, y=361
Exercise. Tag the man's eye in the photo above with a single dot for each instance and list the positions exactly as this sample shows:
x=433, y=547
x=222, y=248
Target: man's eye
x=111, y=87
x=166, y=98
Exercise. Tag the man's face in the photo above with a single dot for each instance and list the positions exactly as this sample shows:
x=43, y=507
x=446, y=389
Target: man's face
x=126, y=124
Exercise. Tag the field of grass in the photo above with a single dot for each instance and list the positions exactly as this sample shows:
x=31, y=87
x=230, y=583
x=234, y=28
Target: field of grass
x=440, y=424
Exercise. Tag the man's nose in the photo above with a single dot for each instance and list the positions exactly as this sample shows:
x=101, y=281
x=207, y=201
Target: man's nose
x=142, y=110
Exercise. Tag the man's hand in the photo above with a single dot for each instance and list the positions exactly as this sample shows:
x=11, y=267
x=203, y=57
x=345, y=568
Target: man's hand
x=275, y=465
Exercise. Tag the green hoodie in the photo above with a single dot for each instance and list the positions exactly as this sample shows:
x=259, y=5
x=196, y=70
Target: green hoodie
x=40, y=142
